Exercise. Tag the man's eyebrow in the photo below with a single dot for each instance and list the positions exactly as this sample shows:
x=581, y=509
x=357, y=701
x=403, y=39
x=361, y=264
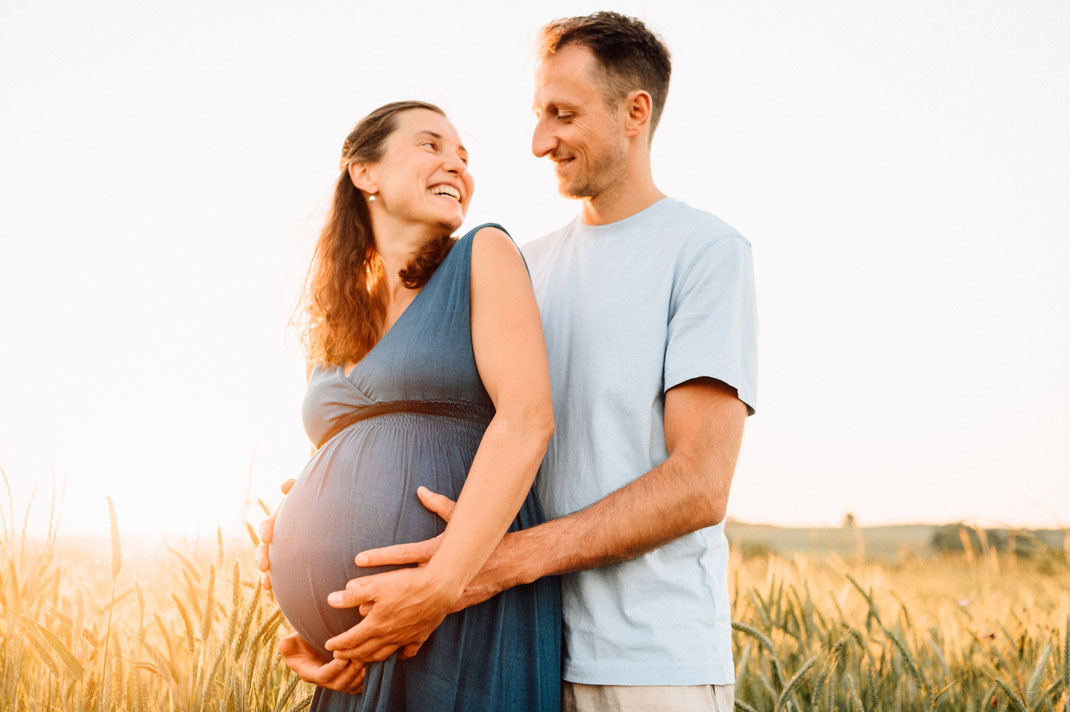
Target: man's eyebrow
x=556, y=105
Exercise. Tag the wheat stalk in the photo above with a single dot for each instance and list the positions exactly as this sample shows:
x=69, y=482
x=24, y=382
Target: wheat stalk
x=116, y=564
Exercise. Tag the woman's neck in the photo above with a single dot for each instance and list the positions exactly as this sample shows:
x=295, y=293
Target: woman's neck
x=397, y=243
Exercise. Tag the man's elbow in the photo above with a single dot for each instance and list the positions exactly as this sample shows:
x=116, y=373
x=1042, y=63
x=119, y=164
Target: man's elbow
x=714, y=510
x=710, y=495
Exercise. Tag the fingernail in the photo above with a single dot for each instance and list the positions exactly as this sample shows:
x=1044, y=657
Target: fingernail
x=335, y=598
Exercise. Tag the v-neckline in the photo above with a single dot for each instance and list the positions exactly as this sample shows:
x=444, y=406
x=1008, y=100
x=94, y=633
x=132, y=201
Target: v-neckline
x=388, y=332
x=402, y=315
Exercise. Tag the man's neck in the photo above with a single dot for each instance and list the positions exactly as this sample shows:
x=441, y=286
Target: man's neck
x=603, y=210
x=634, y=193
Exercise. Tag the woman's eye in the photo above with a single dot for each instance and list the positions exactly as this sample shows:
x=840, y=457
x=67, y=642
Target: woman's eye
x=431, y=144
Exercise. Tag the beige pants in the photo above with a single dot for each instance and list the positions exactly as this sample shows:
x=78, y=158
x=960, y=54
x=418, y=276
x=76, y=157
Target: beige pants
x=576, y=697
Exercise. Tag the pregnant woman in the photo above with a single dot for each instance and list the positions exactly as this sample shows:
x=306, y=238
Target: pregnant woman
x=429, y=370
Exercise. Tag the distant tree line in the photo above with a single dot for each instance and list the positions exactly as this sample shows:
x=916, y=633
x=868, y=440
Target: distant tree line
x=954, y=538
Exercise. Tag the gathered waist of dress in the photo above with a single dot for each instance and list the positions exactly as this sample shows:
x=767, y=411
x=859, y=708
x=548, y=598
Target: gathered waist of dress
x=460, y=410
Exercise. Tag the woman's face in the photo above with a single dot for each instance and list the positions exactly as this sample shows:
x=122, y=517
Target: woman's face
x=423, y=174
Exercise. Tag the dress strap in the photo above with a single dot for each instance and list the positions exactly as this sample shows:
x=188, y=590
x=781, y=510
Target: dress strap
x=477, y=228
x=471, y=234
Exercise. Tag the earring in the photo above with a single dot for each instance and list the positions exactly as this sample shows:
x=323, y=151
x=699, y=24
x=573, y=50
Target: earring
x=371, y=197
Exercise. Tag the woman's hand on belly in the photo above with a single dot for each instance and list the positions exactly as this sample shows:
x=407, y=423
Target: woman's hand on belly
x=267, y=531
x=400, y=608
x=303, y=659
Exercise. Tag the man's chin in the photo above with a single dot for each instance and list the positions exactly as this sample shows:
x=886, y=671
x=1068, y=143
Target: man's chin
x=573, y=191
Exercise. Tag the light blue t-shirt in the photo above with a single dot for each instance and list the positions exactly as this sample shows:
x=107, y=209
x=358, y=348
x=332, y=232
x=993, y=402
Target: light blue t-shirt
x=630, y=310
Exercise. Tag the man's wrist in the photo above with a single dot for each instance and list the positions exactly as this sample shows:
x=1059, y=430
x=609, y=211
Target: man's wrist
x=524, y=560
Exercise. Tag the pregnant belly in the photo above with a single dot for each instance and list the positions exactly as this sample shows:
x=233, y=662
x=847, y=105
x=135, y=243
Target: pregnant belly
x=359, y=492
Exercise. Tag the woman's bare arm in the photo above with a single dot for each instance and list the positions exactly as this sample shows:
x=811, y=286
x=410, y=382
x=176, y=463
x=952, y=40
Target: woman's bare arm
x=403, y=607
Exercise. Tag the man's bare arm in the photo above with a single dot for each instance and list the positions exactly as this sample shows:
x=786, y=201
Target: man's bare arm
x=689, y=491
x=703, y=431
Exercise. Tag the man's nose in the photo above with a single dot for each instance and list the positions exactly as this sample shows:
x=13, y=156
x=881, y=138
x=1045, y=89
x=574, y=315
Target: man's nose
x=542, y=140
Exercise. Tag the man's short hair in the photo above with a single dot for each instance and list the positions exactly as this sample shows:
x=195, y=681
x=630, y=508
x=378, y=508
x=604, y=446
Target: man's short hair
x=629, y=55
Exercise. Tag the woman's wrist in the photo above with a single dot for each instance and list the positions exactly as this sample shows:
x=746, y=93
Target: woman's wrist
x=448, y=579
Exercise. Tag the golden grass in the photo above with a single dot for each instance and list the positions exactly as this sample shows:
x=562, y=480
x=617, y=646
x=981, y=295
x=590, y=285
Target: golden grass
x=189, y=631
x=949, y=633
x=79, y=633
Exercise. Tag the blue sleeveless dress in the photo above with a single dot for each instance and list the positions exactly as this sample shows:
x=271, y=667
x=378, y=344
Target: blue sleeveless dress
x=359, y=492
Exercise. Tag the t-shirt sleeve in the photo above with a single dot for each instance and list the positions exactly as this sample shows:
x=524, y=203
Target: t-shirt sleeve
x=713, y=319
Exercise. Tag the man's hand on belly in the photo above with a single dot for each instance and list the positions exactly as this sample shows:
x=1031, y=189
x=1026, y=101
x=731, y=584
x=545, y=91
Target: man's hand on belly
x=496, y=575
x=401, y=608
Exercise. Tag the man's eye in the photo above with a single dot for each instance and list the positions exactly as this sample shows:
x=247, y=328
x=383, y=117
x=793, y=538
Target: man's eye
x=428, y=143
x=564, y=117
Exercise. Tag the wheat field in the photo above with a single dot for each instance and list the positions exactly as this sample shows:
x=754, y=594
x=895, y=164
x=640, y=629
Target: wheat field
x=190, y=629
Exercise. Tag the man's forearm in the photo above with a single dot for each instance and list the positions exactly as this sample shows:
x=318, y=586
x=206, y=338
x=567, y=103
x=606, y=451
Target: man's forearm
x=661, y=505
x=689, y=491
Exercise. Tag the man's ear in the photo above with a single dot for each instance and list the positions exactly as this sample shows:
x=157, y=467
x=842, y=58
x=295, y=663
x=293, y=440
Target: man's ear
x=638, y=106
x=361, y=175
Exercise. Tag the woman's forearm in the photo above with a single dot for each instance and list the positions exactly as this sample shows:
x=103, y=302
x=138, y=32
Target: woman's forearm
x=510, y=354
x=500, y=478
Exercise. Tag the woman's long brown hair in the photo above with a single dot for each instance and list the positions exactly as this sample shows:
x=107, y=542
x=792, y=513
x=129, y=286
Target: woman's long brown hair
x=344, y=300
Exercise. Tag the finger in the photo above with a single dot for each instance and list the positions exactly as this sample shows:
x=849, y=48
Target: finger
x=358, y=682
x=296, y=658
x=417, y=552
x=374, y=651
x=440, y=504
x=287, y=485
x=345, y=642
x=363, y=642
x=261, y=557
x=409, y=651
x=289, y=645
x=368, y=641
x=356, y=593
x=347, y=678
x=371, y=650
x=267, y=529
x=326, y=674
x=302, y=670
x=265, y=581
x=365, y=609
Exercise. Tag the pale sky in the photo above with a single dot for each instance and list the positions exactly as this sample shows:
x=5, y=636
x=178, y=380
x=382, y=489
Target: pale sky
x=901, y=169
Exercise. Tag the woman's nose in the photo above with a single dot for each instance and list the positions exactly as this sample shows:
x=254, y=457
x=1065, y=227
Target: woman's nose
x=454, y=164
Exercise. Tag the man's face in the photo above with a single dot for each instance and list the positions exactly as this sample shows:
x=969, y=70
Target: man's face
x=576, y=128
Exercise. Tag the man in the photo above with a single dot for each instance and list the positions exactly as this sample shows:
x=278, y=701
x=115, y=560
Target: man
x=649, y=314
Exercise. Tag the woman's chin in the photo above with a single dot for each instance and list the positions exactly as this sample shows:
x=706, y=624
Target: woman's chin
x=452, y=222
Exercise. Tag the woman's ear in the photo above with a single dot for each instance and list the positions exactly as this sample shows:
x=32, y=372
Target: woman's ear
x=361, y=175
